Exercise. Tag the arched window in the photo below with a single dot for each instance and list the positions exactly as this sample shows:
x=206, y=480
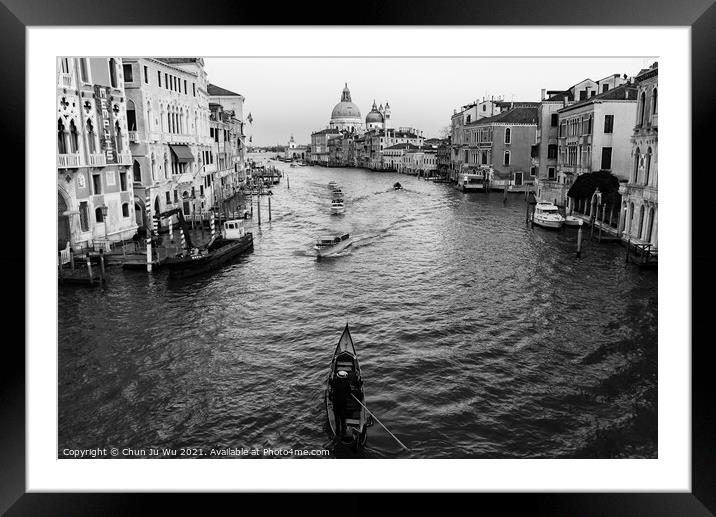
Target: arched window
x=125, y=209
x=131, y=116
x=98, y=215
x=83, y=70
x=635, y=173
x=508, y=135
x=91, y=143
x=74, y=138
x=650, y=228
x=642, y=108
x=113, y=73
x=150, y=125
x=61, y=142
x=647, y=166
x=631, y=217
x=641, y=222
x=137, y=171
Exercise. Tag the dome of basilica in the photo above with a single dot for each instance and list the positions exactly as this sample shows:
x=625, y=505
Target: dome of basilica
x=374, y=116
x=346, y=109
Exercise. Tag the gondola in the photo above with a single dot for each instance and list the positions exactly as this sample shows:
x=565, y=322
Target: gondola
x=357, y=418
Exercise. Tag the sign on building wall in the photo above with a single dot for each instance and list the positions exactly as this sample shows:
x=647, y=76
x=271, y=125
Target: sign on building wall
x=104, y=119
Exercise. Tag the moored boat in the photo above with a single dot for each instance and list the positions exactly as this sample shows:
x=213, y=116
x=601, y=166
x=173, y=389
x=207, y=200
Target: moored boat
x=345, y=381
x=547, y=215
x=326, y=246
x=397, y=185
x=233, y=241
x=571, y=220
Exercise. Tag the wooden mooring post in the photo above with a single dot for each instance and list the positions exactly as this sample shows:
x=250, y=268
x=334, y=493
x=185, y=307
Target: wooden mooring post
x=269, y=203
x=89, y=267
x=101, y=265
x=288, y=182
x=258, y=207
x=72, y=259
x=59, y=264
x=579, y=241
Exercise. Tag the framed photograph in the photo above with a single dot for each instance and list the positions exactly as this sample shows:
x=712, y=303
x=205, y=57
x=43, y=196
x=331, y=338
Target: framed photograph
x=425, y=256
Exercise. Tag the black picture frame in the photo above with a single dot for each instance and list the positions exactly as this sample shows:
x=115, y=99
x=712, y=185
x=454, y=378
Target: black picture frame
x=700, y=15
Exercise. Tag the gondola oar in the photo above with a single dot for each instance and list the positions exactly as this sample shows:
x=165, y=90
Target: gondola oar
x=381, y=423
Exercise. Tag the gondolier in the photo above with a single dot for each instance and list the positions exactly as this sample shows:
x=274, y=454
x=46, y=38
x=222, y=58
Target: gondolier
x=341, y=393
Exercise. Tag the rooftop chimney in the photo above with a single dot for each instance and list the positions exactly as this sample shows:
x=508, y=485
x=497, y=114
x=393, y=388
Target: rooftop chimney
x=544, y=91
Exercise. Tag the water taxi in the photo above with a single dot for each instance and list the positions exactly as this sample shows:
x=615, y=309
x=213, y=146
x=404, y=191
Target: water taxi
x=547, y=215
x=326, y=246
x=337, y=206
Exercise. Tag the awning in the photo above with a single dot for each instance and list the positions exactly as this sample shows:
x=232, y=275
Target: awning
x=187, y=177
x=182, y=152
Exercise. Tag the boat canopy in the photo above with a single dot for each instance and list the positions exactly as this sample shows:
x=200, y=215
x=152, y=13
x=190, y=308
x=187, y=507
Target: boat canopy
x=327, y=240
x=547, y=207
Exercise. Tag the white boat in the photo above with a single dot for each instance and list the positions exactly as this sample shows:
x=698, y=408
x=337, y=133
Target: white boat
x=547, y=215
x=326, y=246
x=337, y=205
x=233, y=229
x=332, y=185
x=571, y=220
x=471, y=182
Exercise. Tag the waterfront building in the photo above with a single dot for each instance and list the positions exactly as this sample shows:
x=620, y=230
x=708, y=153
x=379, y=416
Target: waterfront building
x=393, y=156
x=294, y=151
x=548, y=186
x=443, y=157
x=232, y=123
x=229, y=174
x=419, y=161
x=499, y=147
x=174, y=155
x=319, y=145
x=469, y=113
x=376, y=140
x=639, y=212
x=594, y=136
x=94, y=189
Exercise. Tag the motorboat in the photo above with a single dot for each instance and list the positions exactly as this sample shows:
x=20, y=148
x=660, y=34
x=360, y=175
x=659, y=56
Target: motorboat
x=357, y=418
x=547, y=215
x=326, y=246
x=571, y=220
x=397, y=185
x=233, y=241
x=337, y=205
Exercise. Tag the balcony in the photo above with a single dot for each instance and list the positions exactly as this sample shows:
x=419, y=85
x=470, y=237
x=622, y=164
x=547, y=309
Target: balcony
x=68, y=161
x=133, y=136
x=65, y=80
x=97, y=160
x=124, y=158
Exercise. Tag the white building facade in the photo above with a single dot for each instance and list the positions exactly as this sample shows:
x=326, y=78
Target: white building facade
x=94, y=187
x=640, y=207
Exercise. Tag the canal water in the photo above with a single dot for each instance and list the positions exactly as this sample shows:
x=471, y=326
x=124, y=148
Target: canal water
x=478, y=336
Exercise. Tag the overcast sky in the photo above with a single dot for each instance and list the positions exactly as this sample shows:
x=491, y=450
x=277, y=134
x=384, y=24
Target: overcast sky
x=296, y=95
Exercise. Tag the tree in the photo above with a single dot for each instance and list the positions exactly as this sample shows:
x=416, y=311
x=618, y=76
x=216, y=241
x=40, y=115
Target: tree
x=444, y=132
x=586, y=184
